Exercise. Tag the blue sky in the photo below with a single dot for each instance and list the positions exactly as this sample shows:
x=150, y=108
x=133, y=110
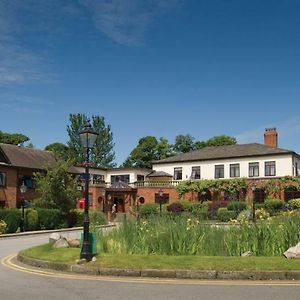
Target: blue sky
x=161, y=68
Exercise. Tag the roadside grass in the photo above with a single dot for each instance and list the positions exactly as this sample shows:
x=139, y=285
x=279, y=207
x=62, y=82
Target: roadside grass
x=130, y=261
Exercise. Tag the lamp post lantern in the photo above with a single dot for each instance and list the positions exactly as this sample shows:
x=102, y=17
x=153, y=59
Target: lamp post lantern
x=88, y=137
x=23, y=189
x=253, y=188
x=160, y=195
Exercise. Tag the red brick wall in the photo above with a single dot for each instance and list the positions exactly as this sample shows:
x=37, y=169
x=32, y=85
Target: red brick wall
x=10, y=190
x=148, y=193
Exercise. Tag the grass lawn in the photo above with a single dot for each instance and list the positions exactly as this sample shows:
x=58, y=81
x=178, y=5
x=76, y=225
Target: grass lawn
x=69, y=255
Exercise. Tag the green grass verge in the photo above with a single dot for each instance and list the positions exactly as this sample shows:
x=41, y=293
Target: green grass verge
x=69, y=255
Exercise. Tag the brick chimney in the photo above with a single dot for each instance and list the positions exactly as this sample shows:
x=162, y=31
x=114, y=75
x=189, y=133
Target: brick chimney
x=271, y=137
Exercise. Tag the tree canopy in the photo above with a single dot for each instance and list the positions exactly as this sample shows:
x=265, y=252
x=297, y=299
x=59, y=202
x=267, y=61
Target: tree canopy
x=57, y=188
x=102, y=154
x=59, y=149
x=13, y=138
x=150, y=149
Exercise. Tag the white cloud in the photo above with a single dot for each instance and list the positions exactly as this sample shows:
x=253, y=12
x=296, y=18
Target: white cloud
x=285, y=128
x=20, y=21
x=125, y=22
x=24, y=104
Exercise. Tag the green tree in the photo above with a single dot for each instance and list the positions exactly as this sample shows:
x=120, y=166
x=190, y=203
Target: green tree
x=164, y=149
x=57, y=188
x=102, y=154
x=13, y=138
x=143, y=154
x=183, y=143
x=59, y=149
x=220, y=140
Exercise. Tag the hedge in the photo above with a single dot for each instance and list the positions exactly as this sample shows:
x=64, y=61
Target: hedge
x=12, y=218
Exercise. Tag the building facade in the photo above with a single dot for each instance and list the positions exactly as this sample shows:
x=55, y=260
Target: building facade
x=119, y=189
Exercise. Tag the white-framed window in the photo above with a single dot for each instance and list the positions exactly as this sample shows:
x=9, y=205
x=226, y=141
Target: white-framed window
x=270, y=168
x=177, y=174
x=234, y=170
x=219, y=171
x=254, y=169
x=196, y=173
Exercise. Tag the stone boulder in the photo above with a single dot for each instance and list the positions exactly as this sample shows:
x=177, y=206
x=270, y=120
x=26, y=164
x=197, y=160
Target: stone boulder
x=247, y=254
x=61, y=243
x=55, y=236
x=293, y=252
x=74, y=243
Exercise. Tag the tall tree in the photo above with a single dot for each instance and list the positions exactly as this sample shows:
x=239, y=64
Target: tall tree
x=13, y=138
x=59, y=149
x=57, y=188
x=102, y=154
x=164, y=149
x=143, y=154
x=183, y=143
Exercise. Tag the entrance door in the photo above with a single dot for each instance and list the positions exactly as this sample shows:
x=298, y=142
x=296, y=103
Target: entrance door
x=119, y=204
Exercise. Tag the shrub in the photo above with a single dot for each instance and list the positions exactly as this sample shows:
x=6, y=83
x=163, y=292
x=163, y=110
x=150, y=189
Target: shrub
x=148, y=210
x=75, y=218
x=236, y=206
x=294, y=203
x=12, y=218
x=97, y=218
x=273, y=205
x=261, y=214
x=200, y=210
x=31, y=219
x=175, y=208
x=259, y=205
x=244, y=215
x=2, y=226
x=49, y=218
x=214, y=206
x=78, y=214
x=224, y=215
x=186, y=205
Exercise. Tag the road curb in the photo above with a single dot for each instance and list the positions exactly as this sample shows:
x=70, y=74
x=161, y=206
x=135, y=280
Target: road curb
x=172, y=274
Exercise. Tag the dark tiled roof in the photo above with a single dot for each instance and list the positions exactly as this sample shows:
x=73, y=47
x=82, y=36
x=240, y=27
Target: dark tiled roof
x=159, y=174
x=27, y=157
x=223, y=152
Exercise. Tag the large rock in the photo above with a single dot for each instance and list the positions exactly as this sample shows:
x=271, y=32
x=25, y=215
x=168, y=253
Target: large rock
x=293, y=252
x=247, y=254
x=74, y=243
x=61, y=243
x=55, y=236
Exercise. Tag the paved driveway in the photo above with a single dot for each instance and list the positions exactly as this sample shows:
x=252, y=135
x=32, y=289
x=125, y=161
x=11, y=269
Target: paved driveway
x=16, y=285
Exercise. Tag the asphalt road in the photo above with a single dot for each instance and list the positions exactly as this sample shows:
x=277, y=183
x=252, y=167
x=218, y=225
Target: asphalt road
x=16, y=285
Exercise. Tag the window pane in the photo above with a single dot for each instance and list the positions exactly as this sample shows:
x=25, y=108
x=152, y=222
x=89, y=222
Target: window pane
x=254, y=169
x=219, y=171
x=270, y=169
x=235, y=170
x=196, y=173
x=177, y=173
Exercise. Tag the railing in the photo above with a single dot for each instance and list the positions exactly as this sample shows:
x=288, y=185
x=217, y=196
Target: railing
x=139, y=184
x=151, y=183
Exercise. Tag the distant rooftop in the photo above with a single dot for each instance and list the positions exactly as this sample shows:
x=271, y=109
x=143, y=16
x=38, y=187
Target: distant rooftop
x=26, y=157
x=222, y=152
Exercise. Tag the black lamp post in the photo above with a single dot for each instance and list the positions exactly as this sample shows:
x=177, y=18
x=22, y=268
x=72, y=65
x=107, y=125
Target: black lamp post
x=253, y=188
x=160, y=195
x=23, y=189
x=88, y=137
